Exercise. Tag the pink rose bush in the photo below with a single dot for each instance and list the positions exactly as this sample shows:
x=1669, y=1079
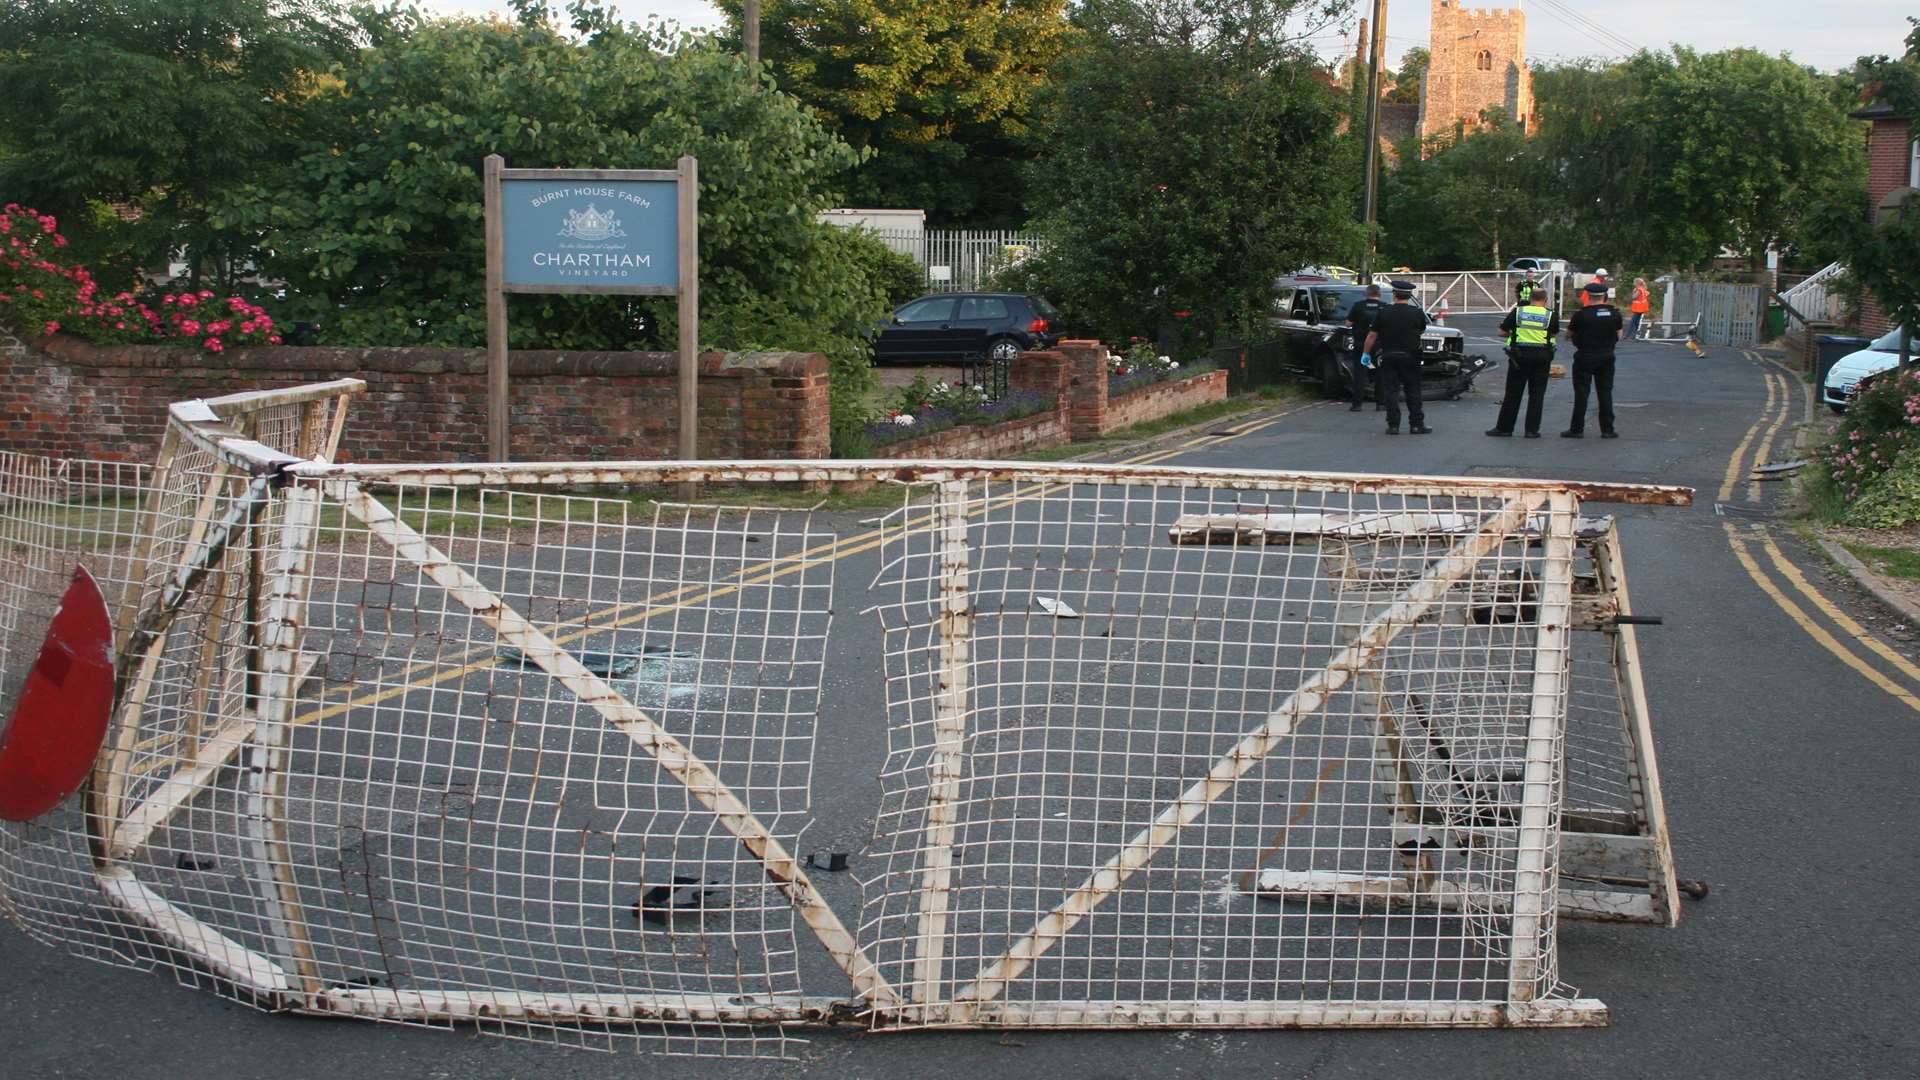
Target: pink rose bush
x=40, y=290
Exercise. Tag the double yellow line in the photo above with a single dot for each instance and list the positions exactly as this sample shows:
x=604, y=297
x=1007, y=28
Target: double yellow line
x=1744, y=541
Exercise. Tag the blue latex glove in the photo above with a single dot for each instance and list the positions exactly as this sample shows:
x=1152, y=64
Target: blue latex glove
x=1366, y=359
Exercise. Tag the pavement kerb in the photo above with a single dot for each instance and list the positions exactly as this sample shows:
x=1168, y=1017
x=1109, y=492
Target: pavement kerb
x=1869, y=580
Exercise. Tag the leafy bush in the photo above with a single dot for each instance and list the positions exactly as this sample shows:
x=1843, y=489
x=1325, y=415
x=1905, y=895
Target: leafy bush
x=896, y=273
x=1893, y=499
x=1873, y=462
x=41, y=292
x=377, y=228
x=1141, y=365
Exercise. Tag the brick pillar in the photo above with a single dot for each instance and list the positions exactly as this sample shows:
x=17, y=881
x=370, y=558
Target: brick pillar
x=1042, y=370
x=1087, y=370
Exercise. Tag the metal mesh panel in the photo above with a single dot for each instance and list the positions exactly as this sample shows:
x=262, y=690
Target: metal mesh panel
x=462, y=744
x=1024, y=855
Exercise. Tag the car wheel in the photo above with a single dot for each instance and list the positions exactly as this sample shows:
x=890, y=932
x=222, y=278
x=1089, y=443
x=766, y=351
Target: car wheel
x=1333, y=381
x=1003, y=350
x=1838, y=409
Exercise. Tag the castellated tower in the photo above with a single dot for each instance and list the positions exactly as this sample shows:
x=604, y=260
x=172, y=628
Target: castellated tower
x=1479, y=61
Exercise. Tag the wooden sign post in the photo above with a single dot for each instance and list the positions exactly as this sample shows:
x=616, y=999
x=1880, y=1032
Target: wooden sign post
x=624, y=232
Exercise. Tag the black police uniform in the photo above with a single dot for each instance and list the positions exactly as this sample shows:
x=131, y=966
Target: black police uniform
x=1396, y=355
x=1528, y=370
x=1361, y=318
x=1595, y=330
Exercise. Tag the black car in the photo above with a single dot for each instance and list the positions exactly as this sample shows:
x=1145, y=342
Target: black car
x=1310, y=317
x=967, y=326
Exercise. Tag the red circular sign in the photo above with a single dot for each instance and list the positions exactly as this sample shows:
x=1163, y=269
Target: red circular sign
x=50, y=740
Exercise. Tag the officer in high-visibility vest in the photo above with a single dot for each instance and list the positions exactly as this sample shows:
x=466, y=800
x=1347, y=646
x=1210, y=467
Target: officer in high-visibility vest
x=1530, y=329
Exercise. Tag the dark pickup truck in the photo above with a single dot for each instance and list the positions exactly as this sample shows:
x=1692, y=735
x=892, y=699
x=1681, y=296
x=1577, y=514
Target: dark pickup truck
x=1310, y=317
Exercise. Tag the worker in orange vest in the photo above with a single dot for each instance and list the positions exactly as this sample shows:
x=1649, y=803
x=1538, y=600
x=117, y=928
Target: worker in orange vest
x=1642, y=304
x=1606, y=289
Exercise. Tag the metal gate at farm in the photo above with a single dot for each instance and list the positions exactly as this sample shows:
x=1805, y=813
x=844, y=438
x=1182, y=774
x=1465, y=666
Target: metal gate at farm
x=504, y=745
x=1480, y=292
x=960, y=260
x=1728, y=314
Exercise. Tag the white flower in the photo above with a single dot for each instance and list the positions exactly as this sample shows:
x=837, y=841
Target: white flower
x=1173, y=365
x=904, y=420
x=1167, y=360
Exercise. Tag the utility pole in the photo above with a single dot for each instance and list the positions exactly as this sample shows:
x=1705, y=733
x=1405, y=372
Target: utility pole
x=1369, y=211
x=750, y=30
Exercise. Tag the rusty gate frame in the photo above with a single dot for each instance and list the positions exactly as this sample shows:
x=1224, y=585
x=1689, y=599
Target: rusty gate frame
x=303, y=480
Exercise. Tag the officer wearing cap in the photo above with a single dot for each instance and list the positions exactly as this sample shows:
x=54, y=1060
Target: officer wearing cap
x=1394, y=345
x=1361, y=317
x=1594, y=330
x=1530, y=330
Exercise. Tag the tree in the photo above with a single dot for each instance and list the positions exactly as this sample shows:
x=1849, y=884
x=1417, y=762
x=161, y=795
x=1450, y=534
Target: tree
x=939, y=92
x=1745, y=142
x=1667, y=158
x=377, y=229
x=1882, y=252
x=1474, y=201
x=1406, y=84
x=1193, y=159
x=160, y=108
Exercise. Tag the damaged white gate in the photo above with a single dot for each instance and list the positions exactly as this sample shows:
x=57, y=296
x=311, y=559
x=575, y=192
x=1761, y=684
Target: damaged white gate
x=1161, y=746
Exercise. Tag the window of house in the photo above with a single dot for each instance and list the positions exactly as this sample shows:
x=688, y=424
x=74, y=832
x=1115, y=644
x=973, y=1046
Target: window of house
x=1484, y=60
x=1913, y=164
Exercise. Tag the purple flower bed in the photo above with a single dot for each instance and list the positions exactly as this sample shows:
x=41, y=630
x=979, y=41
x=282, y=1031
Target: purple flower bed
x=1015, y=406
x=1140, y=380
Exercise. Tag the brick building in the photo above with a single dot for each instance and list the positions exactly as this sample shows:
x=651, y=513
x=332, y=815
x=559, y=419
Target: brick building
x=1479, y=60
x=1893, y=172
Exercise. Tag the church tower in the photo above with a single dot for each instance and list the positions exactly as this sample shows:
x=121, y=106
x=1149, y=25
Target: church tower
x=1479, y=60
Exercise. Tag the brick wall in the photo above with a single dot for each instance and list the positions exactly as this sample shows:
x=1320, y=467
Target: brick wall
x=1164, y=399
x=66, y=397
x=1888, y=167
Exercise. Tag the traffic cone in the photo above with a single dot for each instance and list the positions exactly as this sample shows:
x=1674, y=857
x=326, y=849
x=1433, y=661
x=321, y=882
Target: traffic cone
x=1440, y=316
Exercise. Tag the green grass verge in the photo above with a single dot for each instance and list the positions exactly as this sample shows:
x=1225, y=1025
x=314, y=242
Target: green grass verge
x=1889, y=562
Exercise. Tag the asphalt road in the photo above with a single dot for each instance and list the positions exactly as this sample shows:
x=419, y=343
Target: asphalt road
x=1788, y=757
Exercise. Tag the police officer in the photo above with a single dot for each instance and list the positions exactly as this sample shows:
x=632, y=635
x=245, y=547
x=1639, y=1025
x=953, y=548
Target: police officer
x=1530, y=329
x=1361, y=319
x=1594, y=331
x=1394, y=346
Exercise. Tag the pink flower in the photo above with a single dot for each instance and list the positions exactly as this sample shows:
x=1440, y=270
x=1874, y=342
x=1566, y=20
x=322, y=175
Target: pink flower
x=206, y=294
x=53, y=327
x=213, y=345
x=189, y=327
x=119, y=326
x=274, y=340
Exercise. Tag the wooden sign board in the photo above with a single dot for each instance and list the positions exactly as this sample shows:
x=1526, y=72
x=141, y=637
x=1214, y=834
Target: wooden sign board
x=623, y=232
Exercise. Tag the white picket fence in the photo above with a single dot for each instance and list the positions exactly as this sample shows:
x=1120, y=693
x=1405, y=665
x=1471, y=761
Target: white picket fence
x=960, y=260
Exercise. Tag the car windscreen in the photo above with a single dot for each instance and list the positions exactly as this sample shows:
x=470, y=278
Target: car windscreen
x=1890, y=342
x=1335, y=303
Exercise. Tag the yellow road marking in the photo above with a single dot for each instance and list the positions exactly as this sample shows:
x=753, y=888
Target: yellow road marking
x=1778, y=396
x=1814, y=630
x=1765, y=453
x=1827, y=607
x=1740, y=452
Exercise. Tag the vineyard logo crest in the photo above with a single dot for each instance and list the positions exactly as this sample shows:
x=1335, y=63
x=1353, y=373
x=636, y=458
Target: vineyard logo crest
x=591, y=225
